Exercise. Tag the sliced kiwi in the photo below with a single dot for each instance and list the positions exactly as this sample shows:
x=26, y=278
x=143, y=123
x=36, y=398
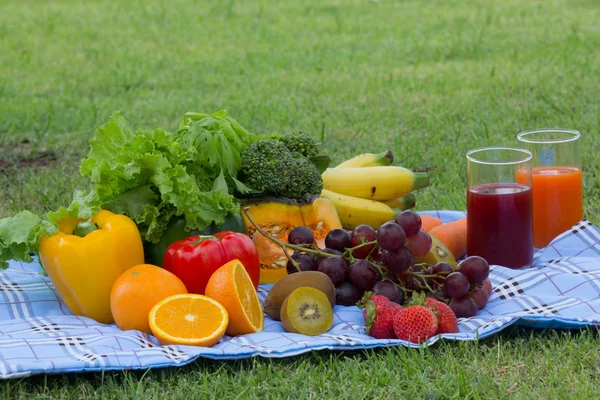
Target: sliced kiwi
x=438, y=253
x=308, y=311
x=286, y=285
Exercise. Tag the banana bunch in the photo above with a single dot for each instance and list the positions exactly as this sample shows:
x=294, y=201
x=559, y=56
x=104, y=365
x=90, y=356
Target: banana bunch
x=368, y=189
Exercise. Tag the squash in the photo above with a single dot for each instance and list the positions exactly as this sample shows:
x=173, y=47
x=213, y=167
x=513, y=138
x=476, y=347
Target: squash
x=278, y=216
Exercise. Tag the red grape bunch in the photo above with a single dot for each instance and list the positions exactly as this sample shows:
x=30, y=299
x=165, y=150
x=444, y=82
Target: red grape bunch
x=382, y=261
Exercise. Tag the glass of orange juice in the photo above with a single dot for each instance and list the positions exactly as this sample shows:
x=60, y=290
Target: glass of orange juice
x=556, y=181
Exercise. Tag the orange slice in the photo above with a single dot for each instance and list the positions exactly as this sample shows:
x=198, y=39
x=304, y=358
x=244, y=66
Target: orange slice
x=231, y=286
x=188, y=319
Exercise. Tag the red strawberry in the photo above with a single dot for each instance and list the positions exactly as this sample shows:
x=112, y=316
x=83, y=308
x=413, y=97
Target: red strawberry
x=379, y=318
x=447, y=322
x=377, y=298
x=415, y=324
x=487, y=285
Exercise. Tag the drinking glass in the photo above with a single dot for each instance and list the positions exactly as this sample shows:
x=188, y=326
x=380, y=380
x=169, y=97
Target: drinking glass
x=499, y=209
x=556, y=181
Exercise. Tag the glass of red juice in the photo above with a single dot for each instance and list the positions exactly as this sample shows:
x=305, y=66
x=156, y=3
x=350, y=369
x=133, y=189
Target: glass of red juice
x=499, y=208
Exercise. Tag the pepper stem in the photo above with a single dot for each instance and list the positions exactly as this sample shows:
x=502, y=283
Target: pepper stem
x=83, y=228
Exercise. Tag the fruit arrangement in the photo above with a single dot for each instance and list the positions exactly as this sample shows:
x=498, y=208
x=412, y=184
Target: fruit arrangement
x=155, y=301
x=170, y=252
x=381, y=261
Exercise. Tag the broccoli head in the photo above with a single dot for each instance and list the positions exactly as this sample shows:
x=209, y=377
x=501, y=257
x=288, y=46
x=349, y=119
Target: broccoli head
x=270, y=167
x=301, y=142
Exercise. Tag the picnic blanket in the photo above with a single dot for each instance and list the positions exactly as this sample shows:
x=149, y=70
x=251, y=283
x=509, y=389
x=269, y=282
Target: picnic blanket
x=38, y=334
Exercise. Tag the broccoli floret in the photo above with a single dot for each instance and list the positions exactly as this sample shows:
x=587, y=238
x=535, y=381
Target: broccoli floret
x=306, y=178
x=302, y=143
x=270, y=167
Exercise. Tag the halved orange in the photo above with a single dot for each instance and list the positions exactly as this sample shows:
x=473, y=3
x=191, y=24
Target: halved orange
x=188, y=319
x=231, y=286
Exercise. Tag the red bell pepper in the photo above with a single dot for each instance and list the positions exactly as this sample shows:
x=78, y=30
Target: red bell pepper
x=195, y=258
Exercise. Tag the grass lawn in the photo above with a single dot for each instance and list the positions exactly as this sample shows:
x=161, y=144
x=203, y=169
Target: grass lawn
x=427, y=79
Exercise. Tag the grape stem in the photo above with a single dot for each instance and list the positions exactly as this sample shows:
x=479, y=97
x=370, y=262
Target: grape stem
x=347, y=254
x=274, y=239
x=285, y=246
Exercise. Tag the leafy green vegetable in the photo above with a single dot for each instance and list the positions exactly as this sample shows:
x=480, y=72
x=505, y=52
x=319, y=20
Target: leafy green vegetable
x=219, y=141
x=20, y=235
x=84, y=205
x=150, y=176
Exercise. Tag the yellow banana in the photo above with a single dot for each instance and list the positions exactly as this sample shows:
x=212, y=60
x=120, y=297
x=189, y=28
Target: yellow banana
x=368, y=160
x=374, y=183
x=354, y=211
x=402, y=203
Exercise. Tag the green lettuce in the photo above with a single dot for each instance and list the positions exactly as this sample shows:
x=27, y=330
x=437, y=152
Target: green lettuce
x=20, y=235
x=150, y=176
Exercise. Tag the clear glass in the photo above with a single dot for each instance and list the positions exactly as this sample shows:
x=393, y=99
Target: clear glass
x=557, y=181
x=499, y=209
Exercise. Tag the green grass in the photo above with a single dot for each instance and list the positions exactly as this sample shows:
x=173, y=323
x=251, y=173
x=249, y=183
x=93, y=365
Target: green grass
x=428, y=79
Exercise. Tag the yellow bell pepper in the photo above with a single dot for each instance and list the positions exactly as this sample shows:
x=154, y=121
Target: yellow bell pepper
x=83, y=269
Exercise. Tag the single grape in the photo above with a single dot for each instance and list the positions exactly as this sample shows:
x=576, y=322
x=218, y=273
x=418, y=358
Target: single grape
x=377, y=256
x=419, y=244
x=328, y=251
x=346, y=294
x=463, y=307
x=362, y=234
x=487, y=285
x=335, y=268
x=479, y=295
x=443, y=269
x=391, y=236
x=410, y=222
x=397, y=262
x=362, y=275
x=305, y=260
x=456, y=284
x=475, y=268
x=301, y=235
x=338, y=239
x=388, y=289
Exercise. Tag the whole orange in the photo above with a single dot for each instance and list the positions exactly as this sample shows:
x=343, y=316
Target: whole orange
x=137, y=290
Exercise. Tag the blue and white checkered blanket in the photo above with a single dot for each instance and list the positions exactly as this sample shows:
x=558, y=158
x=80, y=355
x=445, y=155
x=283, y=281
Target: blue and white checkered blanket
x=39, y=335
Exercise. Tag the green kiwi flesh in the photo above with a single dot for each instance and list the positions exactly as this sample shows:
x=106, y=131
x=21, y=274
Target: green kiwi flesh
x=307, y=311
x=286, y=285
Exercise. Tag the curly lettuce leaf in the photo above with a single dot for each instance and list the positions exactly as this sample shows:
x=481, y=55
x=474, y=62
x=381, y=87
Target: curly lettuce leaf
x=84, y=205
x=151, y=175
x=136, y=203
x=20, y=236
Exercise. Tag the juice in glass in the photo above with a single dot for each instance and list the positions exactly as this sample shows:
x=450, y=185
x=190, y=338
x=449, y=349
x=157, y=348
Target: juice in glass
x=556, y=182
x=499, y=209
x=557, y=201
x=499, y=224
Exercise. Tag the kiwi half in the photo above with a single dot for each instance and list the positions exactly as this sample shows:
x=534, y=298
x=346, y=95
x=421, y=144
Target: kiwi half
x=308, y=311
x=438, y=253
x=282, y=289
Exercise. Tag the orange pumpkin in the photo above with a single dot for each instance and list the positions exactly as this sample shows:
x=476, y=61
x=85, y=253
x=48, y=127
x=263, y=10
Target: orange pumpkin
x=278, y=216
